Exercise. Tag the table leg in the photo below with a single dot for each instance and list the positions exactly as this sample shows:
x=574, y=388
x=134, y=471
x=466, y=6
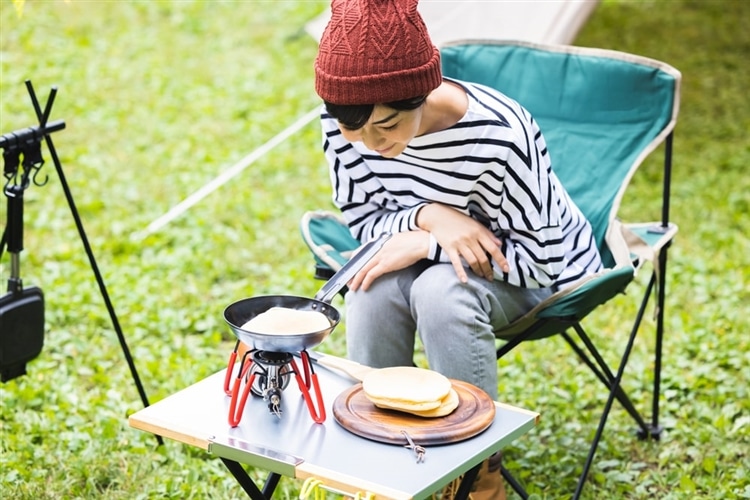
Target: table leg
x=468, y=480
x=466, y=483
x=248, y=485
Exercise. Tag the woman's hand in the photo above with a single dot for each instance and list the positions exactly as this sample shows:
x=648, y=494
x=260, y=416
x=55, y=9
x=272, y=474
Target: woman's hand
x=463, y=238
x=399, y=252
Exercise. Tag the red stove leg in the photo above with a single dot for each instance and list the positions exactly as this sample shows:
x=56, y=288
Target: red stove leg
x=230, y=369
x=235, y=413
x=319, y=415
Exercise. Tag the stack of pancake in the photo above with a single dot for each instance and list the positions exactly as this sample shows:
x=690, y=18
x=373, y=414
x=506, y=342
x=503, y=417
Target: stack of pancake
x=409, y=389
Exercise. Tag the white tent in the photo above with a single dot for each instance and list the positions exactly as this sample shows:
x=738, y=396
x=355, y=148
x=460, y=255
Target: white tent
x=544, y=21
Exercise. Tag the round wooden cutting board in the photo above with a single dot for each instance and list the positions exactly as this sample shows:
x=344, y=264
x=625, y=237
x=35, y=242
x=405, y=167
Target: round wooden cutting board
x=355, y=413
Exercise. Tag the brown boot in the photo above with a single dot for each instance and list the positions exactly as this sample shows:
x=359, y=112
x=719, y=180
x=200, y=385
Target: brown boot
x=489, y=484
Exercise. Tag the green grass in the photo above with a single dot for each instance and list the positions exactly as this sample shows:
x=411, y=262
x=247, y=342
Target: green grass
x=160, y=97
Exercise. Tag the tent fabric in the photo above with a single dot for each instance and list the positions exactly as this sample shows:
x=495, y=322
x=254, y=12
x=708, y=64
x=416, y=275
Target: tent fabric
x=556, y=21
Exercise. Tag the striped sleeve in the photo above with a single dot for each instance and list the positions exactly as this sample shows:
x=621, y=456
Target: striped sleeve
x=358, y=193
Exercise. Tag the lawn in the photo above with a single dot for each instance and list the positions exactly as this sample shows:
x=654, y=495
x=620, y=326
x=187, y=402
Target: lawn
x=159, y=98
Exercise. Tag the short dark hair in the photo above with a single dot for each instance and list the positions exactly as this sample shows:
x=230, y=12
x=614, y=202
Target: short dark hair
x=354, y=116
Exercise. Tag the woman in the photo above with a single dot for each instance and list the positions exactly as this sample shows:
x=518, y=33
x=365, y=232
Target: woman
x=461, y=177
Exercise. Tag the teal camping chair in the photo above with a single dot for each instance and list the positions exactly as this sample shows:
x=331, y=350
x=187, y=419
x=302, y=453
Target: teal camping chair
x=602, y=113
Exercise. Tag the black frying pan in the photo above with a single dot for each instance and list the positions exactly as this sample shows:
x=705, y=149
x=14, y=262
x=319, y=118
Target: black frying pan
x=244, y=310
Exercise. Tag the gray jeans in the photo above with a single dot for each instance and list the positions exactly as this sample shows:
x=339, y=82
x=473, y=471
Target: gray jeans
x=455, y=321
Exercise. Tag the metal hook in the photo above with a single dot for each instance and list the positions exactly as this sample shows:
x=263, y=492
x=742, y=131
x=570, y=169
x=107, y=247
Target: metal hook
x=33, y=162
x=8, y=183
x=37, y=169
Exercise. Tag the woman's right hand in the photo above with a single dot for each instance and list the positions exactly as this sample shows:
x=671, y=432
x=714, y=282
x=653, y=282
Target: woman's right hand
x=399, y=252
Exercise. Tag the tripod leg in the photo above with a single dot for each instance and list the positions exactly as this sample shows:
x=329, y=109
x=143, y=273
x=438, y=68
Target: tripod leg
x=42, y=116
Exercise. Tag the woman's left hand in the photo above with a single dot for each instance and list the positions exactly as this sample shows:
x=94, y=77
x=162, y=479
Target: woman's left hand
x=464, y=240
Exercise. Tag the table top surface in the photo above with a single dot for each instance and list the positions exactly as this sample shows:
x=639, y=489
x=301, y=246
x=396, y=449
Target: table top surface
x=294, y=445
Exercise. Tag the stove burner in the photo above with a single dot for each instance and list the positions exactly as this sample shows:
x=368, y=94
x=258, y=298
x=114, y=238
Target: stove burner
x=271, y=373
x=266, y=374
x=271, y=357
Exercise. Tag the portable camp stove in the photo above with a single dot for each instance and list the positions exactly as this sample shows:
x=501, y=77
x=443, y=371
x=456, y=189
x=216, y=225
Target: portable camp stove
x=266, y=374
x=266, y=369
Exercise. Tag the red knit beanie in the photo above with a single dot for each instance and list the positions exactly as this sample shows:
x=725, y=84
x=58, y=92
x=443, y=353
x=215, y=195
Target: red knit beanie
x=375, y=51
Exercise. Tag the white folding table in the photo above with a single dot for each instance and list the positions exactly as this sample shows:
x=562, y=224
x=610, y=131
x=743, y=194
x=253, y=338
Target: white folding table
x=293, y=445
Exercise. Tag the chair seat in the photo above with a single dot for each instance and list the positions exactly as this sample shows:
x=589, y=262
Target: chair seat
x=570, y=305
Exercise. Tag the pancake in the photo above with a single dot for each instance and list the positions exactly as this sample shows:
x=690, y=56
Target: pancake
x=446, y=407
x=406, y=388
x=286, y=321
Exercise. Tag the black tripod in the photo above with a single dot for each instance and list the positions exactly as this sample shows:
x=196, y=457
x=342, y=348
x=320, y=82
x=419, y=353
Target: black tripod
x=22, y=310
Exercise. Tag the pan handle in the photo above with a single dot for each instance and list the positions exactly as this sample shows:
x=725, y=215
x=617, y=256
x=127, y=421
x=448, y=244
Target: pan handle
x=352, y=267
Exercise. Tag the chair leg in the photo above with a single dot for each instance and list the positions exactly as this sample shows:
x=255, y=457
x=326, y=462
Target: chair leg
x=615, y=387
x=610, y=380
x=511, y=343
x=606, y=377
x=508, y=477
x=614, y=382
x=661, y=270
x=655, y=430
x=602, y=371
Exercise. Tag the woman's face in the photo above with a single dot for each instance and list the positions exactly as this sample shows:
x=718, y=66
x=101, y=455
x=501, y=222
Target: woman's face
x=388, y=131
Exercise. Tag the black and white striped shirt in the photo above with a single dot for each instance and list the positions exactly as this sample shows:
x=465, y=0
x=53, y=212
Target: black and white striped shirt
x=492, y=165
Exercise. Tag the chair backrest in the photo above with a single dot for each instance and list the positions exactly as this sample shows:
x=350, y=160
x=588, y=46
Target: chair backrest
x=601, y=111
